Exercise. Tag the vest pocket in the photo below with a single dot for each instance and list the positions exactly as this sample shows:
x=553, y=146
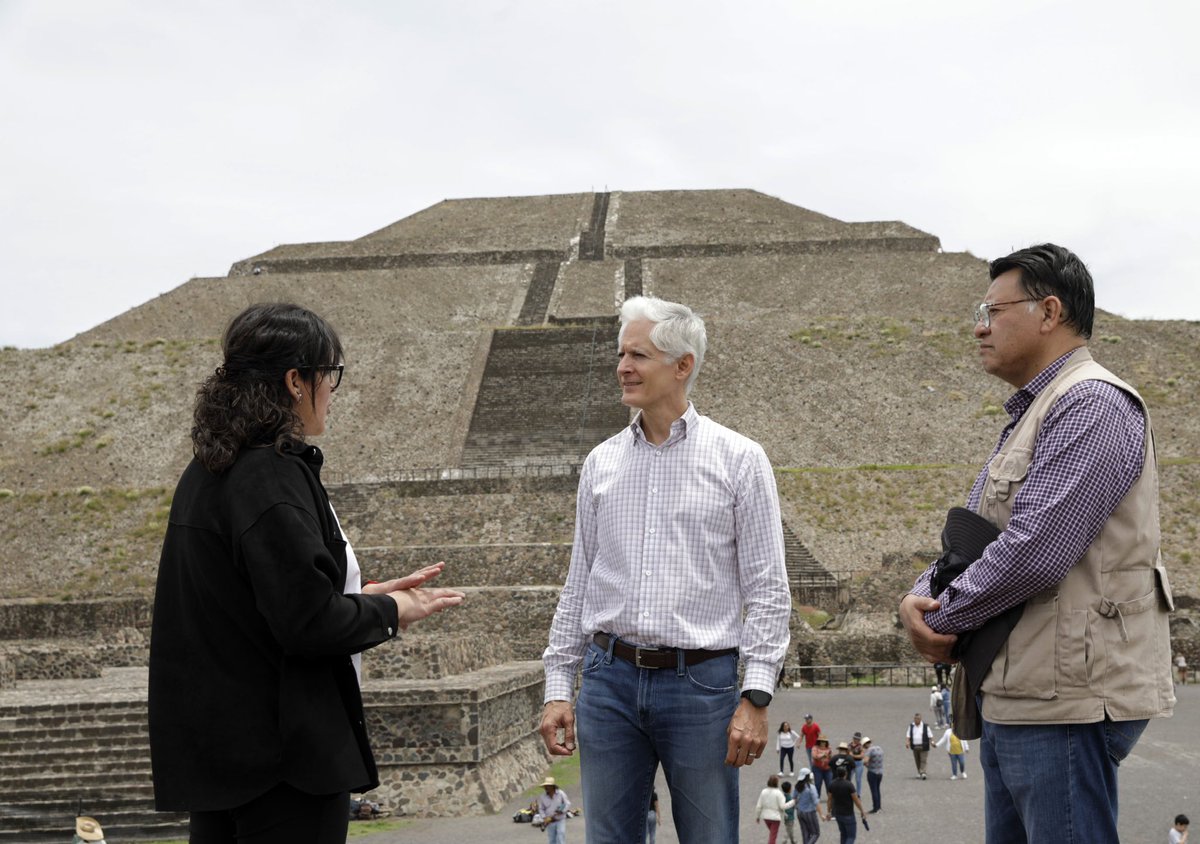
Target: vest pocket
x=1007, y=469
x=1076, y=649
x=1026, y=665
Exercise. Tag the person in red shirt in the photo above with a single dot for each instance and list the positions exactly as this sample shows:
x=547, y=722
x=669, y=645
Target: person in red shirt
x=811, y=732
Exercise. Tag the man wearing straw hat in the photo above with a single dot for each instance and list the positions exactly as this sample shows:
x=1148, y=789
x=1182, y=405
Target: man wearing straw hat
x=552, y=807
x=88, y=831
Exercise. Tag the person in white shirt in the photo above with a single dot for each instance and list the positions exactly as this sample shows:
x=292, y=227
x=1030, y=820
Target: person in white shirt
x=772, y=805
x=677, y=573
x=785, y=746
x=958, y=749
x=551, y=815
x=935, y=704
x=1178, y=834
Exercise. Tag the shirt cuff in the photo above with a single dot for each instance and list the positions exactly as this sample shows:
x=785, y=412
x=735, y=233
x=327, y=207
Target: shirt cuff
x=559, y=688
x=761, y=676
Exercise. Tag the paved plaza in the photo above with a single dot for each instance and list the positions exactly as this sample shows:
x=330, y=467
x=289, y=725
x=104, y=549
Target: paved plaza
x=1159, y=780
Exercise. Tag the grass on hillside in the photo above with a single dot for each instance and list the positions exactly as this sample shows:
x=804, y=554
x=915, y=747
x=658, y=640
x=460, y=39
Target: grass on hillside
x=565, y=772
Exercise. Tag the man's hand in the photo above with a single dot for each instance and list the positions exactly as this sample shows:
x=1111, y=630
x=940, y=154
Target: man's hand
x=558, y=715
x=933, y=646
x=747, y=733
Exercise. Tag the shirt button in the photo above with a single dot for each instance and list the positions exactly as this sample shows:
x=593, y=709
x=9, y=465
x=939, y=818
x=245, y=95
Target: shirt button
x=652, y=530
x=654, y=491
x=389, y=631
x=658, y=454
x=645, y=615
x=647, y=572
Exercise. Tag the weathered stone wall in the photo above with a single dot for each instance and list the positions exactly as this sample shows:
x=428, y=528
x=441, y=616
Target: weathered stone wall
x=437, y=743
x=77, y=619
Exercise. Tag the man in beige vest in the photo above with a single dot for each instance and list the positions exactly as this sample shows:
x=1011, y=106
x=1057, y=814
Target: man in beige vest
x=1073, y=487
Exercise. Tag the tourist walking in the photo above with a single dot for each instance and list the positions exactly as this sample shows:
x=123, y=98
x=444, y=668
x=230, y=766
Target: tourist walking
x=785, y=746
x=771, y=805
x=254, y=703
x=808, y=807
x=789, y=814
x=842, y=802
x=917, y=739
x=935, y=705
x=874, y=774
x=811, y=732
x=653, y=819
x=947, y=720
x=957, y=748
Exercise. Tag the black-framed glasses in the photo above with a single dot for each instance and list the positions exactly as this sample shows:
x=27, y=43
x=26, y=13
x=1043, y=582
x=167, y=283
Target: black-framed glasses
x=983, y=311
x=333, y=372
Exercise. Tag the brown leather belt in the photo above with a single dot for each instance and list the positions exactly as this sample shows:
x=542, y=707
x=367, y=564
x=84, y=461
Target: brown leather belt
x=658, y=657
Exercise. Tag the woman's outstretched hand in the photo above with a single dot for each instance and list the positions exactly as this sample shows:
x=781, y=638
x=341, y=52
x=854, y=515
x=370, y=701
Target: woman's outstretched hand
x=412, y=601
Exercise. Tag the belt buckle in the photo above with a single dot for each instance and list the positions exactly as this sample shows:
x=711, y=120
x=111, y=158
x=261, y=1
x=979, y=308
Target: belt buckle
x=637, y=656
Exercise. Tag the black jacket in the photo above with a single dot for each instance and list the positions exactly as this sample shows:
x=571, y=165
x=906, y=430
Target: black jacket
x=251, y=683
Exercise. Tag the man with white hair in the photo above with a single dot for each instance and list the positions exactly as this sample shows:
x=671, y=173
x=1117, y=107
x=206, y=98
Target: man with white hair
x=676, y=574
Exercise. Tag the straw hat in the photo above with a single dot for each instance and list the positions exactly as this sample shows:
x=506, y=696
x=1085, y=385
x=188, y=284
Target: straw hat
x=88, y=829
x=843, y=746
x=549, y=781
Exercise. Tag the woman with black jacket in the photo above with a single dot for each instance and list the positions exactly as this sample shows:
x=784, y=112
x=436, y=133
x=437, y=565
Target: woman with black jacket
x=256, y=721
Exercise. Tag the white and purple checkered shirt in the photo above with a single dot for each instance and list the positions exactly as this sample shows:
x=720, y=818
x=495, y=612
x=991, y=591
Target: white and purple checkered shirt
x=671, y=543
x=1088, y=453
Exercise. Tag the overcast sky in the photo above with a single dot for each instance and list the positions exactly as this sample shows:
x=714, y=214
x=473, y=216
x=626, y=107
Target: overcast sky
x=149, y=141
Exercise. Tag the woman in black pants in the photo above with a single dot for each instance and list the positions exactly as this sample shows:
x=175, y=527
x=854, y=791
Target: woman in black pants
x=256, y=721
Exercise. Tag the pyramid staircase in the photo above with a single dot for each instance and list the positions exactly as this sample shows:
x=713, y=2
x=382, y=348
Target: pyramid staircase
x=548, y=396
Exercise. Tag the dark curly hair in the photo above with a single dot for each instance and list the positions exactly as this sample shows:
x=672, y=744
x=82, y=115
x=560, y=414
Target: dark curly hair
x=246, y=402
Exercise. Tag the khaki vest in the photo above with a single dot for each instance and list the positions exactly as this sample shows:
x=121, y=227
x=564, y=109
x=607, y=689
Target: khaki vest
x=1098, y=643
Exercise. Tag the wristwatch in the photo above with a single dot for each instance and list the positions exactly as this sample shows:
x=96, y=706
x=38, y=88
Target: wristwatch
x=757, y=697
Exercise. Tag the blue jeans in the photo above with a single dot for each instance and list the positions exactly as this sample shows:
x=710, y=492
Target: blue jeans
x=629, y=720
x=1053, y=782
x=873, y=780
x=858, y=769
x=848, y=827
x=822, y=778
x=958, y=763
x=556, y=833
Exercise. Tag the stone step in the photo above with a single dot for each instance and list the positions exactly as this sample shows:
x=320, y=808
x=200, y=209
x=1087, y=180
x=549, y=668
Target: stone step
x=498, y=564
x=113, y=782
x=420, y=657
x=47, y=751
x=520, y=616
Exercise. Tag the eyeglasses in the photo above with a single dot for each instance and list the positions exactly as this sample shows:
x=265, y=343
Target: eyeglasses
x=333, y=372
x=983, y=311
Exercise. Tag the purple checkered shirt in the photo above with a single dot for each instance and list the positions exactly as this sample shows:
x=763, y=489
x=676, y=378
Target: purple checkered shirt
x=1088, y=453
x=671, y=542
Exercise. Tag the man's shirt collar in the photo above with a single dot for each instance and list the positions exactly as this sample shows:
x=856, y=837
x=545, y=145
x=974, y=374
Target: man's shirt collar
x=679, y=428
x=1020, y=401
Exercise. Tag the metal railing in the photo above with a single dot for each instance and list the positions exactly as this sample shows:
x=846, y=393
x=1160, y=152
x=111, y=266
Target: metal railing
x=873, y=674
